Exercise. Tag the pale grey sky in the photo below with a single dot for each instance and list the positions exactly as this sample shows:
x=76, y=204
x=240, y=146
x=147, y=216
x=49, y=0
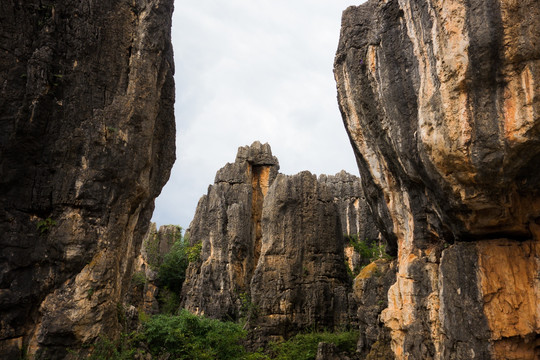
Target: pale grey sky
x=253, y=70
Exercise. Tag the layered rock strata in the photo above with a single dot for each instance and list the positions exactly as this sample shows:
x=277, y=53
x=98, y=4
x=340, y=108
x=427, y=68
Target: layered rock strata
x=87, y=142
x=441, y=103
x=268, y=240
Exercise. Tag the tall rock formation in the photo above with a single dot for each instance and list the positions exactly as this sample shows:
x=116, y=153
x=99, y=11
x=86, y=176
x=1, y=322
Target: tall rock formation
x=227, y=223
x=87, y=142
x=268, y=240
x=355, y=215
x=441, y=103
x=301, y=276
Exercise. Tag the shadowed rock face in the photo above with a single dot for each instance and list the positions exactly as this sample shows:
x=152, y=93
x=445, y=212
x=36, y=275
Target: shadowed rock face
x=354, y=212
x=87, y=142
x=301, y=278
x=441, y=103
x=273, y=247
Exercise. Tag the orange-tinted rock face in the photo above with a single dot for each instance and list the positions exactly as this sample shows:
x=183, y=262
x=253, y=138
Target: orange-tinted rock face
x=440, y=100
x=509, y=284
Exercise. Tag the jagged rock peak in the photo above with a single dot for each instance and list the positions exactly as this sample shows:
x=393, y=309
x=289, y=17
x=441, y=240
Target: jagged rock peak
x=227, y=222
x=268, y=239
x=257, y=154
x=255, y=160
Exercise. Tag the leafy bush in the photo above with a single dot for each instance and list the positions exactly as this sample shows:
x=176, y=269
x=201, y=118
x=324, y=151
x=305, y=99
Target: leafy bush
x=138, y=279
x=106, y=349
x=248, y=310
x=44, y=226
x=188, y=336
x=304, y=346
x=153, y=243
x=369, y=251
x=168, y=301
x=194, y=252
x=172, y=271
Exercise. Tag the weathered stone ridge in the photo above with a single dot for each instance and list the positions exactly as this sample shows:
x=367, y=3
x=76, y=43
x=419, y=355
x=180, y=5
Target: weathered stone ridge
x=356, y=217
x=268, y=240
x=227, y=223
x=87, y=142
x=301, y=277
x=441, y=103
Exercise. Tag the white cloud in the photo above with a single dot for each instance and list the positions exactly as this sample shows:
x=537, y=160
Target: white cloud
x=253, y=70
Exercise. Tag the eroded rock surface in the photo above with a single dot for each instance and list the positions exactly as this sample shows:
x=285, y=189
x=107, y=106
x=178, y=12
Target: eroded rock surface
x=269, y=240
x=87, y=142
x=301, y=277
x=441, y=103
x=355, y=215
x=228, y=224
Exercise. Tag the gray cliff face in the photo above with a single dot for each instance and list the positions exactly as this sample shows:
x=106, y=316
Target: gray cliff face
x=228, y=224
x=354, y=212
x=441, y=103
x=301, y=278
x=268, y=240
x=87, y=142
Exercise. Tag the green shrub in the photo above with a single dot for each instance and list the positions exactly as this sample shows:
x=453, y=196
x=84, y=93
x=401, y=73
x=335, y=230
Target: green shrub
x=304, y=346
x=168, y=301
x=44, y=226
x=172, y=271
x=188, y=336
x=248, y=310
x=138, y=279
x=106, y=349
x=194, y=252
x=368, y=250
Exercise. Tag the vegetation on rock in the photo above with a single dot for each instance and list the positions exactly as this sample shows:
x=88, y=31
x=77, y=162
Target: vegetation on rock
x=188, y=336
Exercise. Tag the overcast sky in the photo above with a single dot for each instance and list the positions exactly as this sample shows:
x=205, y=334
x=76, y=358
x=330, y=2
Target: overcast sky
x=251, y=70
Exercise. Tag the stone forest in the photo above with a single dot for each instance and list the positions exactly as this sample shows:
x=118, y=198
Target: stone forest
x=433, y=252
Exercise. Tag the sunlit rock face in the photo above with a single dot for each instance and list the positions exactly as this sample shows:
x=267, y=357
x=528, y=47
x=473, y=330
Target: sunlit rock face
x=441, y=103
x=87, y=142
x=273, y=250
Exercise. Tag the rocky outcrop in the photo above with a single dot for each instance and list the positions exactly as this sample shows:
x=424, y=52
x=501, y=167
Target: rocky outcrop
x=354, y=212
x=441, y=103
x=370, y=289
x=87, y=142
x=268, y=240
x=227, y=223
x=301, y=277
